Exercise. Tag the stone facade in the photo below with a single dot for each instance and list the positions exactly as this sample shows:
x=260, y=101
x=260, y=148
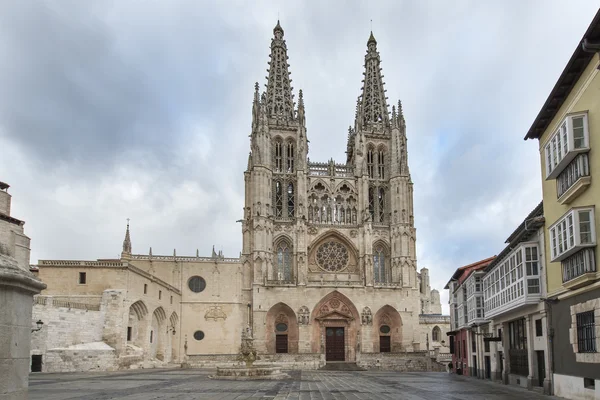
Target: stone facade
x=17, y=288
x=335, y=239
x=328, y=249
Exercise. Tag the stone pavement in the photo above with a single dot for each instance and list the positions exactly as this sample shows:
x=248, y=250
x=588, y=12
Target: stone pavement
x=183, y=384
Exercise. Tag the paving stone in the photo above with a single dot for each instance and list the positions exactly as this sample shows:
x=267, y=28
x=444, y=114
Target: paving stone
x=302, y=385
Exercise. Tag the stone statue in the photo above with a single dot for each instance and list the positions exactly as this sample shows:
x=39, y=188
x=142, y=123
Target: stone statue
x=247, y=352
x=366, y=316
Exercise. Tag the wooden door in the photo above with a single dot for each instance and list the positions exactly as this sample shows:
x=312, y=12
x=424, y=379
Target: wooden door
x=36, y=363
x=334, y=344
x=385, y=344
x=541, y=362
x=281, y=343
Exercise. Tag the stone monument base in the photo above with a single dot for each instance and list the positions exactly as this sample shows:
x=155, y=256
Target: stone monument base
x=255, y=372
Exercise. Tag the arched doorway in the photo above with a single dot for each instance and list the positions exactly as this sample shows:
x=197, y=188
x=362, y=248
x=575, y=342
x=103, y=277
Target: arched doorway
x=158, y=332
x=137, y=325
x=387, y=330
x=335, y=331
x=172, y=335
x=282, y=330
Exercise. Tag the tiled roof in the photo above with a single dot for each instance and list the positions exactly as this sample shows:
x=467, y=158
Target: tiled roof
x=476, y=266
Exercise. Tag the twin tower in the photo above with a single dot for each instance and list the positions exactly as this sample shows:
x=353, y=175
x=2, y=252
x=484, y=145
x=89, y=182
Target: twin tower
x=311, y=228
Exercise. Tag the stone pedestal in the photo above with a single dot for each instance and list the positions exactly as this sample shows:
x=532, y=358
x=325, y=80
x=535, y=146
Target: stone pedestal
x=17, y=287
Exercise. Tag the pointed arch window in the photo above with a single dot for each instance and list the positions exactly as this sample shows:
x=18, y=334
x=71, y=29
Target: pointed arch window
x=380, y=205
x=379, y=267
x=381, y=164
x=278, y=157
x=371, y=204
x=290, y=200
x=436, y=334
x=278, y=199
x=290, y=157
x=370, y=163
x=284, y=262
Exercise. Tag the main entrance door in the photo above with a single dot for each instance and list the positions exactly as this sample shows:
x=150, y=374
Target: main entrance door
x=334, y=344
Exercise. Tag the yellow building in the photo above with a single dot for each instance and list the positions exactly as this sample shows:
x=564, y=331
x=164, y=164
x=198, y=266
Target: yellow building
x=568, y=130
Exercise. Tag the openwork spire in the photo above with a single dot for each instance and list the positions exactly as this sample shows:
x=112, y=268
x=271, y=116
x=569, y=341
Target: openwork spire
x=127, y=240
x=279, y=90
x=372, y=108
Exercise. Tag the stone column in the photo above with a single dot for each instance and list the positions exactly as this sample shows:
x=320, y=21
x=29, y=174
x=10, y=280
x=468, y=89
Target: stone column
x=529, y=332
x=304, y=333
x=17, y=288
x=505, y=353
x=115, y=319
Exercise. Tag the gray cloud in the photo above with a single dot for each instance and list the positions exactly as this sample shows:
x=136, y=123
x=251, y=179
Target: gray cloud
x=142, y=110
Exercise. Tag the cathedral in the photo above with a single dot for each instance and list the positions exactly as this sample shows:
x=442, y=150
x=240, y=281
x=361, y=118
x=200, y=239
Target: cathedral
x=328, y=267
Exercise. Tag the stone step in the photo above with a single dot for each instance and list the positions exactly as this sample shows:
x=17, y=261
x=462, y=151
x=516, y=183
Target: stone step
x=341, y=366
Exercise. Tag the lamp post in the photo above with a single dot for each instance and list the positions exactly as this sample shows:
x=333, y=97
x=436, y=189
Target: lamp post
x=39, y=325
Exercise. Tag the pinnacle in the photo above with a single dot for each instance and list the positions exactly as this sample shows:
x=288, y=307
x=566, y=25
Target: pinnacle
x=278, y=28
x=371, y=39
x=127, y=240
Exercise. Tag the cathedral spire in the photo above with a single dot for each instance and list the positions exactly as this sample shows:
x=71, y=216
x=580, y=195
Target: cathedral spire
x=126, y=243
x=279, y=90
x=255, y=107
x=300, y=114
x=372, y=110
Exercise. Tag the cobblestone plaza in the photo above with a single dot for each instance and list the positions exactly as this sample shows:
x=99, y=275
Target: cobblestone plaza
x=195, y=384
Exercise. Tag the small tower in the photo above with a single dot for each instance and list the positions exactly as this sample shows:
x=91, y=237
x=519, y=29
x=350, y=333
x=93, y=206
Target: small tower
x=126, y=253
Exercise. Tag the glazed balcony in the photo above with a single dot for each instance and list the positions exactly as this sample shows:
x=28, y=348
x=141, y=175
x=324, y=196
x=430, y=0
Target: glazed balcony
x=574, y=179
x=579, y=269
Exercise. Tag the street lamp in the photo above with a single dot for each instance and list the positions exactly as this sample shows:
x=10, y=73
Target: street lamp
x=39, y=324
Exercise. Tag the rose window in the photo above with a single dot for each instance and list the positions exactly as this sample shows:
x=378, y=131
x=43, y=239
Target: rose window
x=332, y=256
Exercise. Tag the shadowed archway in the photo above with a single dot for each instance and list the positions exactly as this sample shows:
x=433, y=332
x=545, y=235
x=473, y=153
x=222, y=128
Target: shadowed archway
x=281, y=330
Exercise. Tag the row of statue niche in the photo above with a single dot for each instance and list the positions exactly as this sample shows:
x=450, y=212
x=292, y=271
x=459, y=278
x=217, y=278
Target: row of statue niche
x=304, y=316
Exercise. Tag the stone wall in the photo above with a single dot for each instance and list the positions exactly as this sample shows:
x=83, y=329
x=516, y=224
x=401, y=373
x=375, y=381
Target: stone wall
x=89, y=357
x=286, y=361
x=403, y=362
x=67, y=322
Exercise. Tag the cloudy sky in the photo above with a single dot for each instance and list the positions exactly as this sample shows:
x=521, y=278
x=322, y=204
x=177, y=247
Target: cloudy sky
x=142, y=109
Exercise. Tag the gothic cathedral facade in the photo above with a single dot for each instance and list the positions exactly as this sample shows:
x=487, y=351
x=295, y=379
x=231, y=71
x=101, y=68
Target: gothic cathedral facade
x=329, y=248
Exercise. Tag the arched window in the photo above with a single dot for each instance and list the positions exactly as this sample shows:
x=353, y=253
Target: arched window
x=284, y=262
x=278, y=200
x=436, y=334
x=290, y=157
x=381, y=204
x=278, y=157
x=290, y=200
x=379, y=267
x=372, y=204
x=370, y=162
x=381, y=164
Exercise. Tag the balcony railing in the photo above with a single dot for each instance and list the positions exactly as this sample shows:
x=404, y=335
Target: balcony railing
x=578, y=168
x=330, y=169
x=578, y=264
